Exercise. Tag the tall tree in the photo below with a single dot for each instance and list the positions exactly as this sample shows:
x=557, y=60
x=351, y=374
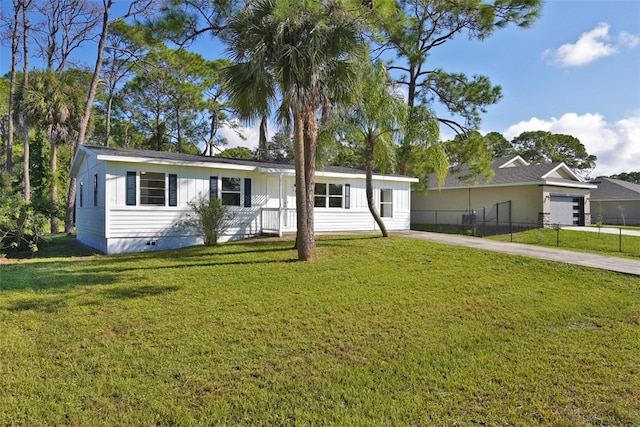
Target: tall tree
x=52, y=101
x=471, y=156
x=546, y=147
x=68, y=25
x=373, y=121
x=14, y=25
x=301, y=55
x=26, y=24
x=134, y=7
x=498, y=144
x=633, y=177
x=423, y=25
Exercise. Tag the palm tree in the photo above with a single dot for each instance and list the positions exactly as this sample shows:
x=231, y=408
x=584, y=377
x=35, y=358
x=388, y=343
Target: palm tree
x=299, y=55
x=52, y=102
x=373, y=122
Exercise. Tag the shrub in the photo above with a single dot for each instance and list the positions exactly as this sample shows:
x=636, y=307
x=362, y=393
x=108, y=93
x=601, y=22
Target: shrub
x=210, y=219
x=20, y=225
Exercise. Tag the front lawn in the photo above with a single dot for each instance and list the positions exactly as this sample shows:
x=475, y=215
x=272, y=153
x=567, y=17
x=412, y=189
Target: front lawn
x=373, y=332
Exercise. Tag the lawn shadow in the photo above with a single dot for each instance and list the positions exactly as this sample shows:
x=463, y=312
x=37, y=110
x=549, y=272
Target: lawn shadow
x=138, y=291
x=56, y=246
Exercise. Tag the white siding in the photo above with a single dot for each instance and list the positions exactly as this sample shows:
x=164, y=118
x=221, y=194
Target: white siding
x=114, y=227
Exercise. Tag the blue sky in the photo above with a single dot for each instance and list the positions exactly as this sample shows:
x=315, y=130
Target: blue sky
x=576, y=71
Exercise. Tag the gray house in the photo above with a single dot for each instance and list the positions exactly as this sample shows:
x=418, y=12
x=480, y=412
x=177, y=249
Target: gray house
x=615, y=202
x=518, y=194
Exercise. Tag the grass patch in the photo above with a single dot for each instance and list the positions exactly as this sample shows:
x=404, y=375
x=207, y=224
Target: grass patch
x=373, y=332
x=582, y=241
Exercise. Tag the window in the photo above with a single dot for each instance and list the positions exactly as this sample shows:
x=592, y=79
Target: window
x=152, y=188
x=231, y=191
x=328, y=195
x=95, y=190
x=81, y=192
x=131, y=189
x=386, y=203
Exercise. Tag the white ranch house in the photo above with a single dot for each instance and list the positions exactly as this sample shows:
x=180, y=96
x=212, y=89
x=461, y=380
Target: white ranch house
x=130, y=200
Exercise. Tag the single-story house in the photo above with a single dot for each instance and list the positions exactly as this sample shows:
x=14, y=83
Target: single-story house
x=519, y=194
x=131, y=200
x=615, y=202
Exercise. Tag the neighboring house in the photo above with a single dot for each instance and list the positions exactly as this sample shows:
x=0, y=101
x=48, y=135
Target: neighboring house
x=615, y=202
x=131, y=200
x=519, y=194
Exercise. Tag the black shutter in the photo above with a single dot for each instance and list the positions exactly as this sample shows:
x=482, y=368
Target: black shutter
x=347, y=196
x=213, y=188
x=131, y=189
x=173, y=190
x=247, y=192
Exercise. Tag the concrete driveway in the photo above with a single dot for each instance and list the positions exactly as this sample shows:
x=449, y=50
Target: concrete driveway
x=620, y=265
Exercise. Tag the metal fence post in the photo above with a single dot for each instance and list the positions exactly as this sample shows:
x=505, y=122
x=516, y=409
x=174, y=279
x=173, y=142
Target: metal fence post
x=620, y=240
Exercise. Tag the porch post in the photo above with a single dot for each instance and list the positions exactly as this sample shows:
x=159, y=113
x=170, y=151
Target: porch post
x=280, y=204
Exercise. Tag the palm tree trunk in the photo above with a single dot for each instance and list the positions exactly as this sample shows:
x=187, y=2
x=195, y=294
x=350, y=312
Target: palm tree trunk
x=310, y=142
x=303, y=244
x=368, y=161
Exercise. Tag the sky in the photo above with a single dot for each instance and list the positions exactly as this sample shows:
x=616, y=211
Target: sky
x=576, y=71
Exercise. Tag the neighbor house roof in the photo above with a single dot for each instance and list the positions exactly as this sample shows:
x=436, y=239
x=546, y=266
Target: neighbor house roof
x=164, y=157
x=513, y=170
x=614, y=189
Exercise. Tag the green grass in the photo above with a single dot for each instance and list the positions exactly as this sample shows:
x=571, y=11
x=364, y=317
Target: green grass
x=583, y=241
x=373, y=332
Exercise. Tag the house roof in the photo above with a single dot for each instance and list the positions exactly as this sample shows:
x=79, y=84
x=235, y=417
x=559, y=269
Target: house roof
x=164, y=157
x=513, y=170
x=614, y=189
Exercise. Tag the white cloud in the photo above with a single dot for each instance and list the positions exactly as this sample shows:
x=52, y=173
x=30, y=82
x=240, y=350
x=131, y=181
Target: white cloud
x=628, y=40
x=591, y=46
x=251, y=135
x=617, y=145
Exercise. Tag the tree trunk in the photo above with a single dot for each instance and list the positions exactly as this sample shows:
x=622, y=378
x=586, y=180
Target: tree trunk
x=310, y=142
x=55, y=225
x=12, y=84
x=303, y=244
x=84, y=123
x=23, y=114
x=262, y=142
x=368, y=161
x=107, y=124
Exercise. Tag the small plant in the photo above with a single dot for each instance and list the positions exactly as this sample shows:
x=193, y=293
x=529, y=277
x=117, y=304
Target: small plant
x=539, y=237
x=20, y=225
x=210, y=219
x=621, y=209
x=600, y=214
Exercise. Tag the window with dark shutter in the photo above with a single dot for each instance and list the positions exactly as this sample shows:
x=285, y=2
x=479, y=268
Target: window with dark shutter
x=131, y=189
x=173, y=190
x=213, y=187
x=247, y=192
x=347, y=196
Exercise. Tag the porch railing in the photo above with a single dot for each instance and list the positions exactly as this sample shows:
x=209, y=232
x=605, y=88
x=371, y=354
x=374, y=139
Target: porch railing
x=278, y=220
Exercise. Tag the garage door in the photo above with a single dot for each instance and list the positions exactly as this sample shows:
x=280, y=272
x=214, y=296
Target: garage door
x=566, y=210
